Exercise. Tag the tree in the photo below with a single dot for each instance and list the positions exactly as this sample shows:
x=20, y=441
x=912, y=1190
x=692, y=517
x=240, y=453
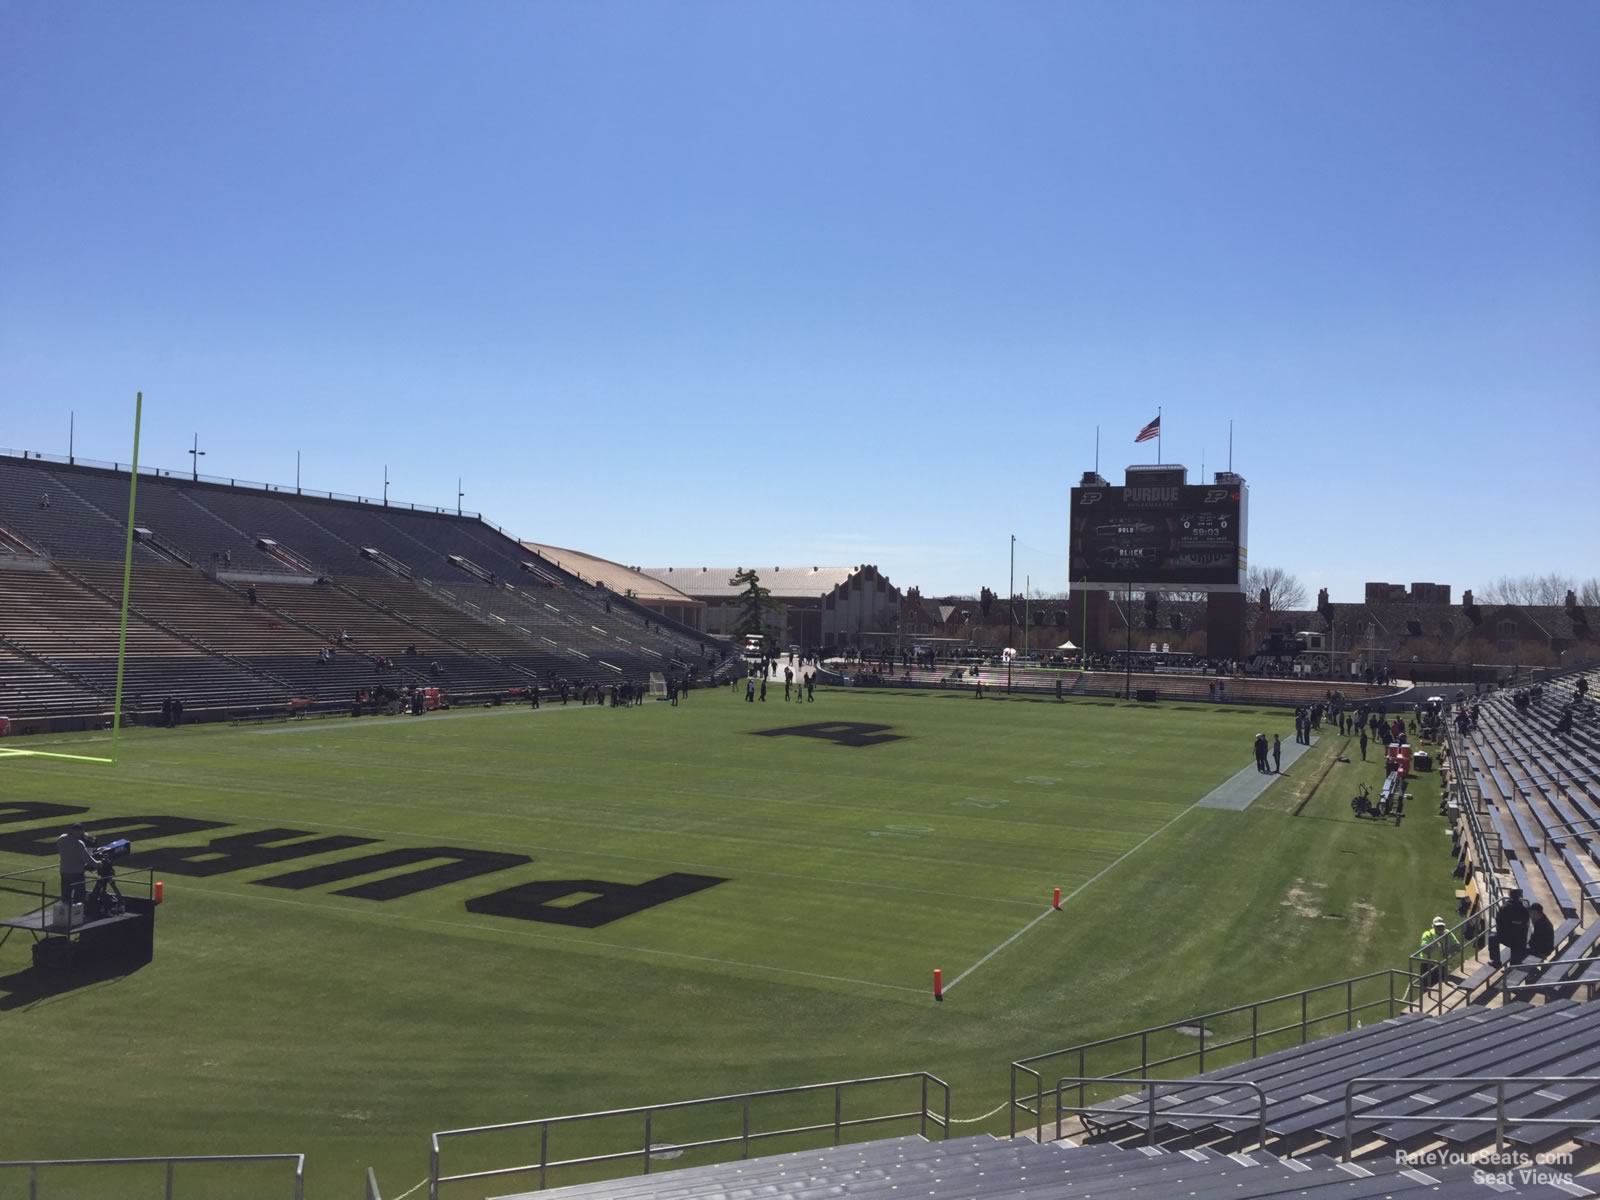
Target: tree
x=1284, y=590
x=754, y=602
x=985, y=600
x=1589, y=594
x=1550, y=588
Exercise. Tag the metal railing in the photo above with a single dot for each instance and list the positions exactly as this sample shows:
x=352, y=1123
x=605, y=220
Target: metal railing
x=1431, y=965
x=249, y=484
x=1149, y=1110
x=1472, y=1083
x=1545, y=983
x=170, y=1163
x=1302, y=1022
x=743, y=1139
x=41, y=886
x=1491, y=854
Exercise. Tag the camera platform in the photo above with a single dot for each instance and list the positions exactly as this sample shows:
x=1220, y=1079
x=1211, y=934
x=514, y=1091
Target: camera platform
x=123, y=939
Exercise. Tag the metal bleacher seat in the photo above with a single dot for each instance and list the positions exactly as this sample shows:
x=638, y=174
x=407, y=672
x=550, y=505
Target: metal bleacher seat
x=1305, y=1085
x=981, y=1167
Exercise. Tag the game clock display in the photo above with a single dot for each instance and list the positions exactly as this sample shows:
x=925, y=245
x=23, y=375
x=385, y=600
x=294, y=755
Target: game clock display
x=1174, y=536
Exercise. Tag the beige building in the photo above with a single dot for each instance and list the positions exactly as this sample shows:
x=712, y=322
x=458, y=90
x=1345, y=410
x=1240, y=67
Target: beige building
x=812, y=606
x=644, y=589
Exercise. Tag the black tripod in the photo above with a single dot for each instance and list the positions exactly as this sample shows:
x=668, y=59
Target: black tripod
x=106, y=899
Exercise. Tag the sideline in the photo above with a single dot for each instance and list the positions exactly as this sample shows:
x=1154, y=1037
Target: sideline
x=1100, y=874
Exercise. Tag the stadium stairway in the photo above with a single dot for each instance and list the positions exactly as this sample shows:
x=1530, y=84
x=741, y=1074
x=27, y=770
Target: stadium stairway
x=983, y=1167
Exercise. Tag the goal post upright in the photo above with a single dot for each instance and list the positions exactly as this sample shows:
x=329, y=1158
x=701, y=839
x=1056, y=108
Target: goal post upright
x=127, y=580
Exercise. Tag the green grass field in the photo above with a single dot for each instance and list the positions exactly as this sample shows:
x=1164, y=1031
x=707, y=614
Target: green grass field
x=349, y=1028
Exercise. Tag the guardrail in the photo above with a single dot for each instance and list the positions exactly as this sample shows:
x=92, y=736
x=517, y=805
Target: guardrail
x=743, y=1139
x=33, y=1166
x=1150, y=1112
x=1431, y=965
x=1025, y=1068
x=1474, y=1082
x=250, y=484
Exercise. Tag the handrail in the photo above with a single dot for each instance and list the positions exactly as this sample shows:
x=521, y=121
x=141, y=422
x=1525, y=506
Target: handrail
x=743, y=1139
x=169, y=1161
x=1025, y=1066
x=1150, y=1108
x=245, y=484
x=1499, y=1120
x=1427, y=965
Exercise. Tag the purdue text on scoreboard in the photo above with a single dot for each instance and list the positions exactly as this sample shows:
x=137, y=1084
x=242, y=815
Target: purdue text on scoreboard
x=1175, y=536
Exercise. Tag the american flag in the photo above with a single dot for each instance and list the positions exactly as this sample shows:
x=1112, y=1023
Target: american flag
x=1152, y=430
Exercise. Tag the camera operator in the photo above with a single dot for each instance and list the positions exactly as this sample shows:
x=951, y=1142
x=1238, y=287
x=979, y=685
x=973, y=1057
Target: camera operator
x=75, y=848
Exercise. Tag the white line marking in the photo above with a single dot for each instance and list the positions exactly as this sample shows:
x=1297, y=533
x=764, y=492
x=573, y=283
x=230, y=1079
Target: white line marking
x=1097, y=875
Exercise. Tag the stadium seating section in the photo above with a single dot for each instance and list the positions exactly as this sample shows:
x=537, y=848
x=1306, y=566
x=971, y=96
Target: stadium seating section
x=1541, y=793
x=979, y=1167
x=452, y=601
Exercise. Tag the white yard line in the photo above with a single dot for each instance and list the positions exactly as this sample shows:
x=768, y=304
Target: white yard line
x=1101, y=873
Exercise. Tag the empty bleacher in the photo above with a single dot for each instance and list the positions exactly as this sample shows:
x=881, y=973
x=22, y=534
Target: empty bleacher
x=1305, y=1087
x=1542, y=797
x=63, y=622
x=976, y=1168
x=491, y=627
x=29, y=689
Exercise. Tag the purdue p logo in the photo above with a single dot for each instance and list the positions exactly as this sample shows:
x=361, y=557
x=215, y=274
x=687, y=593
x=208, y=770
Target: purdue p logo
x=840, y=733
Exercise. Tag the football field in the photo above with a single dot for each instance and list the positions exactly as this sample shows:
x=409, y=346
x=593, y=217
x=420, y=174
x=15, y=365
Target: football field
x=527, y=914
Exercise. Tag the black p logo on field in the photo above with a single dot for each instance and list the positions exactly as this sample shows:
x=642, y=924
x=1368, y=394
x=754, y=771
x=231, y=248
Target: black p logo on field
x=840, y=733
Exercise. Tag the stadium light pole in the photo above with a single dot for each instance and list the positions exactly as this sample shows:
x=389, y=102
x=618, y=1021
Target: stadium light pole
x=459, y=495
x=1011, y=608
x=297, y=472
x=195, y=455
x=386, y=486
x=1127, y=658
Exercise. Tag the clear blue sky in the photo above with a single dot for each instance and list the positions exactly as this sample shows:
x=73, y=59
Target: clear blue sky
x=733, y=283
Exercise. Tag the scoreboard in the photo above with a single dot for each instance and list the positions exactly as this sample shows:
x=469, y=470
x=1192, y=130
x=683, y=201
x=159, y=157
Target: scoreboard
x=1172, y=536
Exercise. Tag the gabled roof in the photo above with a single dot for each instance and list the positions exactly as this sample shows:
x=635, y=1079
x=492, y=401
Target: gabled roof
x=615, y=576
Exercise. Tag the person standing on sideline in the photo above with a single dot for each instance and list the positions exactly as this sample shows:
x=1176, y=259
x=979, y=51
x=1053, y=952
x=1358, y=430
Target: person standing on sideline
x=1261, y=753
x=811, y=688
x=1363, y=743
x=1058, y=687
x=786, y=674
x=763, y=689
x=749, y=689
x=1277, y=755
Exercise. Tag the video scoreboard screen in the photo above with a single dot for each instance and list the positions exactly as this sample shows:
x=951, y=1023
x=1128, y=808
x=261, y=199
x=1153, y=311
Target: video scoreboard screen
x=1178, y=537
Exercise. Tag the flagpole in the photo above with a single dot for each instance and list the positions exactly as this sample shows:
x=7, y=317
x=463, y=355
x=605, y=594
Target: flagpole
x=1158, y=435
x=1230, y=446
x=1097, y=449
